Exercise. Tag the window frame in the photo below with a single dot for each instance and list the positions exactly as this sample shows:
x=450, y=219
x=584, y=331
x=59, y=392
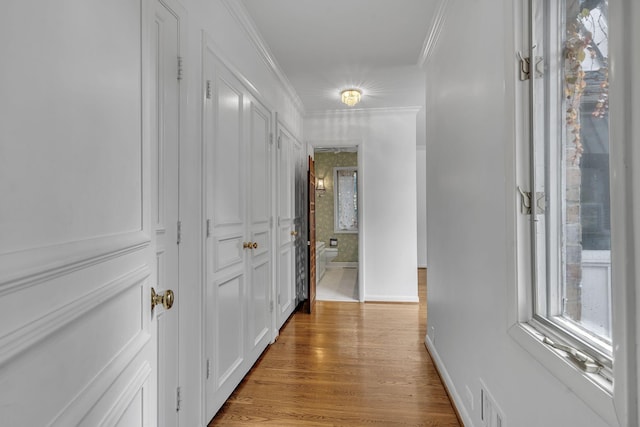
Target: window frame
x=336, y=200
x=615, y=405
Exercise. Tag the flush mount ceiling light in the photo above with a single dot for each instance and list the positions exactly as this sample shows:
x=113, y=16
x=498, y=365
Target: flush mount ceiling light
x=351, y=96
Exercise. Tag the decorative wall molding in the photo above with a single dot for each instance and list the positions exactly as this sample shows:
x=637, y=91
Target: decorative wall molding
x=364, y=111
x=239, y=12
x=78, y=408
x=432, y=38
x=30, y=267
x=126, y=397
x=21, y=339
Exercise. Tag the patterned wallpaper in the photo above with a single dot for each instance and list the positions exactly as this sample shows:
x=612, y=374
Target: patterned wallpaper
x=347, y=242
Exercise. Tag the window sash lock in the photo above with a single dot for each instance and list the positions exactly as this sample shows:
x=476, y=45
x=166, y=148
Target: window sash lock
x=579, y=358
x=525, y=202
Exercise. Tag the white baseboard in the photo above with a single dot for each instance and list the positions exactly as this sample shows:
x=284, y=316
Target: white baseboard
x=451, y=388
x=391, y=298
x=334, y=264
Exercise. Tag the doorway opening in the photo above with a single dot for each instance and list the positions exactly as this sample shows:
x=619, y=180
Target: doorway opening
x=337, y=223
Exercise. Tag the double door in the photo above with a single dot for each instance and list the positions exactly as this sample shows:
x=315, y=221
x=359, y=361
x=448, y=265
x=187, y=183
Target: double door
x=238, y=252
x=290, y=231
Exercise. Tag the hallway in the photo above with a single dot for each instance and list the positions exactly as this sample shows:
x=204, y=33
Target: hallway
x=345, y=365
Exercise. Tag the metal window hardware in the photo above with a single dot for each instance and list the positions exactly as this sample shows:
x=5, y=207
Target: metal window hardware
x=526, y=205
x=579, y=358
x=525, y=67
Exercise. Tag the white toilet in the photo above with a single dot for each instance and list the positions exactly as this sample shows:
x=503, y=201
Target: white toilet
x=330, y=254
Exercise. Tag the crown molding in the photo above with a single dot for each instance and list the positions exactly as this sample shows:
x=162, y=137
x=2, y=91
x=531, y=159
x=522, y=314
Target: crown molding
x=241, y=15
x=432, y=38
x=364, y=111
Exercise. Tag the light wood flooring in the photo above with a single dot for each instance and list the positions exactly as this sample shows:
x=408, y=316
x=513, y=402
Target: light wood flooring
x=348, y=364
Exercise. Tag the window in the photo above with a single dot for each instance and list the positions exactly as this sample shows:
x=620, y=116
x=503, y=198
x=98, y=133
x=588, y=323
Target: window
x=569, y=268
x=345, y=199
x=570, y=171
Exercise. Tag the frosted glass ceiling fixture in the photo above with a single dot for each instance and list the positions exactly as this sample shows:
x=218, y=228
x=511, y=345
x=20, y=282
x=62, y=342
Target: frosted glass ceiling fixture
x=351, y=96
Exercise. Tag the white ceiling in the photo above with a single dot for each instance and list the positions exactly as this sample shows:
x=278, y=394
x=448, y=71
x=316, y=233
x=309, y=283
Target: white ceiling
x=325, y=46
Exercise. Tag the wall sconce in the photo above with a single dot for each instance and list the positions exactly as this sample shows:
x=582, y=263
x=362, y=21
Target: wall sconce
x=351, y=96
x=320, y=188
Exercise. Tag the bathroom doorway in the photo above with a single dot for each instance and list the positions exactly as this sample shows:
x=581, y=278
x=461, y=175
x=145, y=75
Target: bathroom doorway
x=337, y=223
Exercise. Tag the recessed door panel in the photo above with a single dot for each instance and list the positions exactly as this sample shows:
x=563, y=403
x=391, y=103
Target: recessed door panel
x=230, y=321
x=259, y=313
x=228, y=166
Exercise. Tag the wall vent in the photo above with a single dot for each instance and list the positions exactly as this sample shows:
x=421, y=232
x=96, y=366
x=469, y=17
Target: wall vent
x=490, y=413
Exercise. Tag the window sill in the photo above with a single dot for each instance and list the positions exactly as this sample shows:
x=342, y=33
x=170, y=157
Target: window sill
x=591, y=388
x=345, y=231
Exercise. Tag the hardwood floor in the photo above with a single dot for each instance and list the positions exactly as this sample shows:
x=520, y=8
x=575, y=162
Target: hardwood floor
x=348, y=364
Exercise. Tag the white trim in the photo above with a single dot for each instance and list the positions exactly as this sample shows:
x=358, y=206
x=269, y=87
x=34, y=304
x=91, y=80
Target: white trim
x=363, y=111
x=33, y=266
x=241, y=15
x=26, y=336
x=334, y=264
x=126, y=397
x=450, y=385
x=391, y=298
x=588, y=387
x=431, y=40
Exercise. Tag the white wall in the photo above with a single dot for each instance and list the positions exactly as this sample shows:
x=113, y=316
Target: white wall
x=421, y=177
x=387, y=166
x=469, y=131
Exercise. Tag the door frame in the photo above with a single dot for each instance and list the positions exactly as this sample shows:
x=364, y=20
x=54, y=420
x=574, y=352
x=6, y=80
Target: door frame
x=175, y=8
x=358, y=144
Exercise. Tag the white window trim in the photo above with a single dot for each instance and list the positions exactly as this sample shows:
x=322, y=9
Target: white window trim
x=336, y=195
x=615, y=405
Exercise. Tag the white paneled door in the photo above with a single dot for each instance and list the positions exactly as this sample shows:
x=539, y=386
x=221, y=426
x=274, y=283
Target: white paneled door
x=238, y=249
x=287, y=231
x=165, y=156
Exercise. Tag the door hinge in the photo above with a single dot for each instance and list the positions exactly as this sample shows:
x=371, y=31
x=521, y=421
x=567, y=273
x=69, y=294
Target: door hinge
x=278, y=299
x=208, y=368
x=271, y=306
x=208, y=90
x=179, y=68
x=271, y=138
x=178, y=399
x=279, y=141
x=525, y=67
x=179, y=232
x=526, y=202
x=208, y=228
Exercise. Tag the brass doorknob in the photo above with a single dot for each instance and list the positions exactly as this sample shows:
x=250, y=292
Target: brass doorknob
x=254, y=245
x=294, y=233
x=166, y=299
x=246, y=245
